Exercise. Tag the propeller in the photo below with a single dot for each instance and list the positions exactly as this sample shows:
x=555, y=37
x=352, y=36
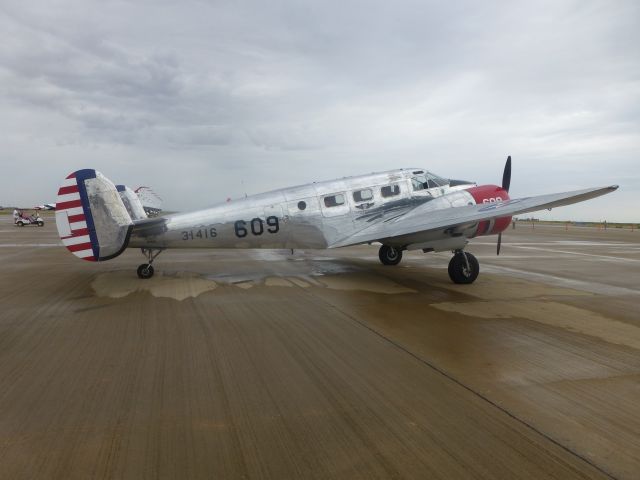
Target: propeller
x=506, y=183
x=506, y=175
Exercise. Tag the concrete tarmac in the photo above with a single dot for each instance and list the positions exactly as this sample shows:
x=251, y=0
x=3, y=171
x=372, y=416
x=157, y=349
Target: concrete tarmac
x=322, y=364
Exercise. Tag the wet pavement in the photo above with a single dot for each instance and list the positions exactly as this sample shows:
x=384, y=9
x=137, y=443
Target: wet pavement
x=322, y=364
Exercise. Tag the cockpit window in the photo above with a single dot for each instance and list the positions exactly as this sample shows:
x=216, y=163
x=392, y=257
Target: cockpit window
x=334, y=200
x=390, y=190
x=418, y=182
x=363, y=195
x=422, y=180
x=436, y=181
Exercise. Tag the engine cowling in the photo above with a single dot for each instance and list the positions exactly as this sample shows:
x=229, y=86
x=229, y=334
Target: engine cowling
x=487, y=194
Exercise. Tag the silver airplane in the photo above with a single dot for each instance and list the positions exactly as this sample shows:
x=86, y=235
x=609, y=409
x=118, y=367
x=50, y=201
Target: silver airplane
x=403, y=209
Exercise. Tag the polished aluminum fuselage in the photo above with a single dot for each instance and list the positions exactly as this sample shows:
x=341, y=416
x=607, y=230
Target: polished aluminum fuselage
x=298, y=217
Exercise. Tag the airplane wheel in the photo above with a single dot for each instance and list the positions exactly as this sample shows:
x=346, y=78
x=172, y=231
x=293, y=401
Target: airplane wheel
x=389, y=255
x=458, y=271
x=145, y=271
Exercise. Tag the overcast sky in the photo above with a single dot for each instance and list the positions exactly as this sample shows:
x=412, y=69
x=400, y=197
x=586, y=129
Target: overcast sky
x=208, y=100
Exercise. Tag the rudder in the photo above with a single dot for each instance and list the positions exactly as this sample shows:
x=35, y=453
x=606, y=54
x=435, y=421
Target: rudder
x=92, y=221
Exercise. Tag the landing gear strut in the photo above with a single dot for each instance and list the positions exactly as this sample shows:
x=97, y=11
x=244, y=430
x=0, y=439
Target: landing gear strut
x=146, y=269
x=463, y=267
x=390, y=255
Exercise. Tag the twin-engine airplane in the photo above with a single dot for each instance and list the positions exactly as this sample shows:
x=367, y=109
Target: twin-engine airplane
x=405, y=209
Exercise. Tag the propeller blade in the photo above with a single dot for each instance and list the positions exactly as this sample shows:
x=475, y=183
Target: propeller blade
x=506, y=176
x=506, y=183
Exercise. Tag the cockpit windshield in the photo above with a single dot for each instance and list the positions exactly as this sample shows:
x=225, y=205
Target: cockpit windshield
x=422, y=180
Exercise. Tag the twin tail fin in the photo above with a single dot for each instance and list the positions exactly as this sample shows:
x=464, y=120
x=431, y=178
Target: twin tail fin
x=95, y=219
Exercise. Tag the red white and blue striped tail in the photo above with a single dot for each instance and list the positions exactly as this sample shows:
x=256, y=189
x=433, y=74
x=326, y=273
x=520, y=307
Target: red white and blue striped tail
x=92, y=221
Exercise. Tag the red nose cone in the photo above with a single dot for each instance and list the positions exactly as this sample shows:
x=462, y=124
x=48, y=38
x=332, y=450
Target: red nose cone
x=487, y=194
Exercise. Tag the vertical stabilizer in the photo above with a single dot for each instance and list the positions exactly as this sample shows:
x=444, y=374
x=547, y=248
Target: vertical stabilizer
x=91, y=218
x=150, y=201
x=131, y=202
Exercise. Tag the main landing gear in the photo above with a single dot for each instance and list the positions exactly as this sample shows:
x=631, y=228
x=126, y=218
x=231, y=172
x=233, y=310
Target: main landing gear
x=146, y=269
x=390, y=255
x=463, y=266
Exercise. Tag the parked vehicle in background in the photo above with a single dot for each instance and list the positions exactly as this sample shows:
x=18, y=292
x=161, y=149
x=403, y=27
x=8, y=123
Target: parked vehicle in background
x=21, y=219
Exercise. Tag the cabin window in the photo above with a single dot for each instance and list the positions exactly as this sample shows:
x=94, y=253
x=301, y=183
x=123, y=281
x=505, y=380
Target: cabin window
x=334, y=200
x=390, y=190
x=363, y=195
x=302, y=205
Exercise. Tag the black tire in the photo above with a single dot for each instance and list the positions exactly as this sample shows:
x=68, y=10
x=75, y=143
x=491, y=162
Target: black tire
x=41, y=224
x=145, y=271
x=390, y=255
x=20, y=224
x=458, y=271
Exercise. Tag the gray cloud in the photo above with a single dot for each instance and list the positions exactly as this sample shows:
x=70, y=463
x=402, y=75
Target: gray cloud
x=206, y=100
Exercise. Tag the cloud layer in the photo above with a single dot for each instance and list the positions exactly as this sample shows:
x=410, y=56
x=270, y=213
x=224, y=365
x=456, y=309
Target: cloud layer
x=209, y=100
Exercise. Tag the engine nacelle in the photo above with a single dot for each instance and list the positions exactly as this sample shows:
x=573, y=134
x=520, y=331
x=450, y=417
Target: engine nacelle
x=488, y=194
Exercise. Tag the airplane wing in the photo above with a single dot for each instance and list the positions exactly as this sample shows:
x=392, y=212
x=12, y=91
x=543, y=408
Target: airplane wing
x=417, y=221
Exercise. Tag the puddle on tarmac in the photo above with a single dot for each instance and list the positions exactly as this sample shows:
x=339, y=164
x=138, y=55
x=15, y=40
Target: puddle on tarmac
x=345, y=281
x=502, y=287
x=364, y=281
x=554, y=314
x=277, y=282
x=119, y=284
x=179, y=286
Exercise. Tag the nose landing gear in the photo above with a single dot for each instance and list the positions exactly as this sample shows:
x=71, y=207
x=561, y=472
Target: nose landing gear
x=390, y=255
x=145, y=270
x=463, y=267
